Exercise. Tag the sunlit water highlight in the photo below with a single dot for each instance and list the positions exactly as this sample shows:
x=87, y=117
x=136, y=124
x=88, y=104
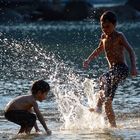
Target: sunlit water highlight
x=55, y=53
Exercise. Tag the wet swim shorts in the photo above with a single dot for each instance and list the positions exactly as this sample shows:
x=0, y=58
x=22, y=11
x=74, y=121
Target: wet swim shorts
x=110, y=80
x=21, y=117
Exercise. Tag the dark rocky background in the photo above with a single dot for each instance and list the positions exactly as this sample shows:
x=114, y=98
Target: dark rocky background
x=12, y=11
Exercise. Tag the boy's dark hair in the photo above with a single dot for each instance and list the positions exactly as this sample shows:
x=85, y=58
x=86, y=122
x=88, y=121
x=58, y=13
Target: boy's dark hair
x=109, y=16
x=40, y=85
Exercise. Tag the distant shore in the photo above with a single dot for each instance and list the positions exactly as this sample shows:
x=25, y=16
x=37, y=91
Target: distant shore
x=32, y=11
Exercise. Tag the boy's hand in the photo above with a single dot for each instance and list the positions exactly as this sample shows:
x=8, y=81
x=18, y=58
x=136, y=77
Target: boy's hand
x=85, y=64
x=49, y=132
x=134, y=72
x=92, y=110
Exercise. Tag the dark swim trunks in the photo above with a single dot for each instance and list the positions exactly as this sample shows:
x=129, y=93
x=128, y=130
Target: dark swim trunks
x=21, y=117
x=110, y=80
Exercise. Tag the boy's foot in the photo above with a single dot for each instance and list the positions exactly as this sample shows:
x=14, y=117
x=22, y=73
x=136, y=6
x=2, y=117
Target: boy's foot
x=97, y=110
x=92, y=110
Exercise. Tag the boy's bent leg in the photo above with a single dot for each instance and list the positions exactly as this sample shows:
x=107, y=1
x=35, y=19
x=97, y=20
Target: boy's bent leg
x=31, y=123
x=109, y=112
x=22, y=130
x=25, y=129
x=99, y=104
x=101, y=98
x=28, y=130
x=23, y=118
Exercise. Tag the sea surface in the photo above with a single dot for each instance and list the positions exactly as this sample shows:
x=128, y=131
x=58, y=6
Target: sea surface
x=55, y=51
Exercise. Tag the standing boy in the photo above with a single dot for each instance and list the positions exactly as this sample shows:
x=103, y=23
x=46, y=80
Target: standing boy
x=19, y=110
x=113, y=44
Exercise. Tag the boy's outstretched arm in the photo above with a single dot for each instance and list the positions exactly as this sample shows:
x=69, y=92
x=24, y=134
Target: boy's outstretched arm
x=93, y=55
x=36, y=127
x=131, y=55
x=40, y=118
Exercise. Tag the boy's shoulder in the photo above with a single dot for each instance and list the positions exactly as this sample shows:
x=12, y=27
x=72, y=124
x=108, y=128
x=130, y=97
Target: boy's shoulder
x=119, y=34
x=103, y=36
x=26, y=98
x=22, y=96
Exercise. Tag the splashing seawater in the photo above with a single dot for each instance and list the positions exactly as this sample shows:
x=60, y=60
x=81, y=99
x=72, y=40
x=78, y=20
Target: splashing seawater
x=24, y=60
x=74, y=94
x=74, y=100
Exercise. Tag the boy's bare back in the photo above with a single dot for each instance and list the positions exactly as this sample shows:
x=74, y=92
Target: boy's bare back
x=21, y=103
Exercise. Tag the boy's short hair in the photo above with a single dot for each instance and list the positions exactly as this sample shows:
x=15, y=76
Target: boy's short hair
x=40, y=85
x=109, y=16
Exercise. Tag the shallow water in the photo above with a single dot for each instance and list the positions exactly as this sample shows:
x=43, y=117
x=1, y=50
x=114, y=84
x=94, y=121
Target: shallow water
x=55, y=51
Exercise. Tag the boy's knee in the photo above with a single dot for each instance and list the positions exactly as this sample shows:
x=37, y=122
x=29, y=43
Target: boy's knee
x=108, y=101
x=103, y=83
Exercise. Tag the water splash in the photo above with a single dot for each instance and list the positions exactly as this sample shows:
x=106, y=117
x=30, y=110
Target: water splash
x=74, y=93
x=74, y=100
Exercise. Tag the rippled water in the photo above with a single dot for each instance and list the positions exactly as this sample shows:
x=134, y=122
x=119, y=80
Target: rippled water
x=54, y=52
